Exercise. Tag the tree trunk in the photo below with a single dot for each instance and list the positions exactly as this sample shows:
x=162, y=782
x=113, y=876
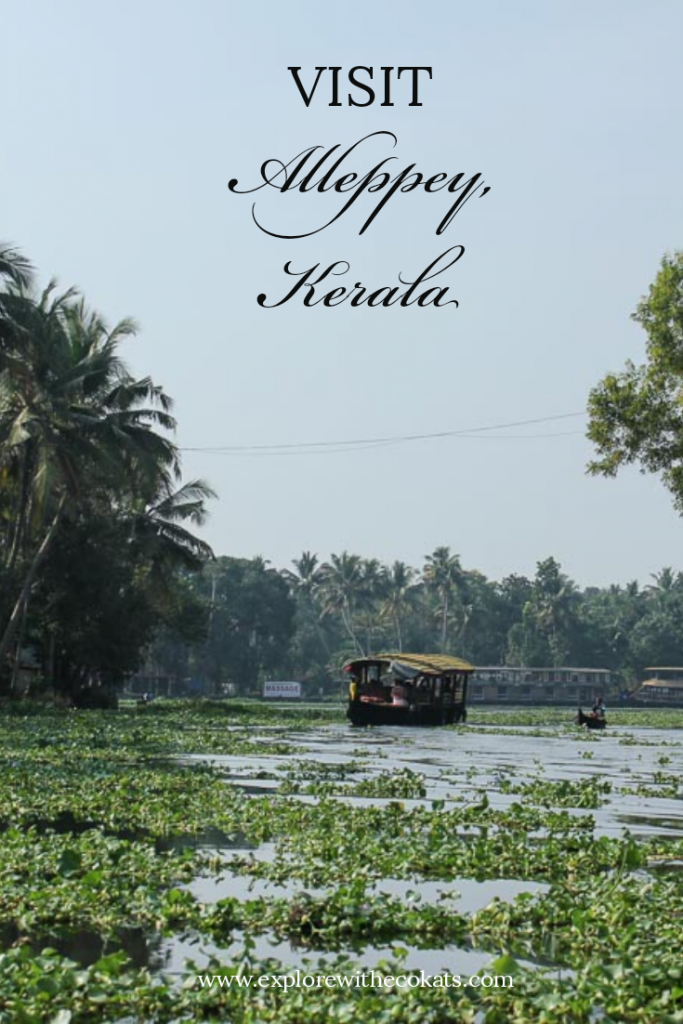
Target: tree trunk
x=15, y=617
x=346, y=619
x=18, y=647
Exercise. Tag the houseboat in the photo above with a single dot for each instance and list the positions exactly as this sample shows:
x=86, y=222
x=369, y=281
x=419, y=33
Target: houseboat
x=662, y=688
x=407, y=689
x=566, y=686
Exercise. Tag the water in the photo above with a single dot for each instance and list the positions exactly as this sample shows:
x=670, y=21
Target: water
x=456, y=765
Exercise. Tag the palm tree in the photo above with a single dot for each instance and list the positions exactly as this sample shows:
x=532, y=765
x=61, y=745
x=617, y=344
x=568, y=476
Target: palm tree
x=160, y=536
x=666, y=584
x=371, y=594
x=73, y=422
x=14, y=266
x=553, y=604
x=15, y=271
x=443, y=574
x=342, y=586
x=307, y=584
x=400, y=586
x=307, y=575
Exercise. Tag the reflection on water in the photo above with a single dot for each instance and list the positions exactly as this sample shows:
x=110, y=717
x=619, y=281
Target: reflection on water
x=67, y=823
x=86, y=947
x=209, y=838
x=466, y=895
x=653, y=825
x=458, y=764
x=450, y=959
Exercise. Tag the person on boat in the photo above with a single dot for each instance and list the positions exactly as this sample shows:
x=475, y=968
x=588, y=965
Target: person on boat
x=399, y=695
x=599, y=708
x=373, y=693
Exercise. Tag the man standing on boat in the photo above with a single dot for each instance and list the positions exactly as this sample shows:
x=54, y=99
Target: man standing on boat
x=599, y=708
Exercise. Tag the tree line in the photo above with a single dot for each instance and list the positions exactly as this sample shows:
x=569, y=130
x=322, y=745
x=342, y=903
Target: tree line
x=305, y=622
x=101, y=570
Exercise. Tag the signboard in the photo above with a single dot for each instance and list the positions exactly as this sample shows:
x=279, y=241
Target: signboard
x=282, y=691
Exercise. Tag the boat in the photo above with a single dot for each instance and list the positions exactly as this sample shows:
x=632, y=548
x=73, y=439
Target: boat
x=662, y=688
x=591, y=721
x=395, y=688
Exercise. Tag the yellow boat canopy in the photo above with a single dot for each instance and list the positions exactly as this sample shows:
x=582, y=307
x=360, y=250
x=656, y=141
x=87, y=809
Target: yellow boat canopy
x=414, y=664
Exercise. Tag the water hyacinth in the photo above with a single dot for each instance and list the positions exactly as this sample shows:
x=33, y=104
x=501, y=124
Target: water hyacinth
x=128, y=837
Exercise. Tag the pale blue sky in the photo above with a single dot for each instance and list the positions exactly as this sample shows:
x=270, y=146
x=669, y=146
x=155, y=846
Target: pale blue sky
x=121, y=125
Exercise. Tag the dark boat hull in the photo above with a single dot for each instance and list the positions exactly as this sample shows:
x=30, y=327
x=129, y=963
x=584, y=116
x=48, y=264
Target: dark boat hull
x=589, y=721
x=361, y=713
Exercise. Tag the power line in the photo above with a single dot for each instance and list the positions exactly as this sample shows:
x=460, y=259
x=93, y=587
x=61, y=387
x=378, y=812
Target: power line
x=358, y=444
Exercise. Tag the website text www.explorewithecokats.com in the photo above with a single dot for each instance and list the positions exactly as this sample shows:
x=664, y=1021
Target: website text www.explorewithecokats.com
x=368, y=979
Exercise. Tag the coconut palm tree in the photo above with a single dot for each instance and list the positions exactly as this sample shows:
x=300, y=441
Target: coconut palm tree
x=443, y=575
x=307, y=585
x=14, y=266
x=553, y=607
x=342, y=586
x=399, y=589
x=158, y=533
x=369, y=600
x=664, y=589
x=307, y=575
x=73, y=422
x=15, y=271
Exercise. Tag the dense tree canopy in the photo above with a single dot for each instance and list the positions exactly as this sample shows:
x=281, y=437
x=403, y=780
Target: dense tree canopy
x=93, y=517
x=306, y=622
x=636, y=416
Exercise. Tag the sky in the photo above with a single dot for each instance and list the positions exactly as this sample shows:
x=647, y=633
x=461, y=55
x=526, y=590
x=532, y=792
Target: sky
x=121, y=125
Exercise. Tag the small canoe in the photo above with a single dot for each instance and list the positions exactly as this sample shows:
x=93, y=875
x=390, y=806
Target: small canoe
x=590, y=721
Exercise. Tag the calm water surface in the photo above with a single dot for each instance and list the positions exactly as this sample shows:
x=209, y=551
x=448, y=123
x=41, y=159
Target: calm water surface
x=456, y=765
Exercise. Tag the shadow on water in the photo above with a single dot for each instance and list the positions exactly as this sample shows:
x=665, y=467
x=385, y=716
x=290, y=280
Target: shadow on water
x=66, y=823
x=86, y=947
x=652, y=822
x=209, y=839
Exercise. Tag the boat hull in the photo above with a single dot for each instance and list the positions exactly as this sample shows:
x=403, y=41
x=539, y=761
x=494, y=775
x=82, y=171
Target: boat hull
x=361, y=713
x=589, y=721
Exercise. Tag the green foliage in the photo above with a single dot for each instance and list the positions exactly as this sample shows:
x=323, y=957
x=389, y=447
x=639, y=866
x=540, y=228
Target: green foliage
x=105, y=840
x=250, y=623
x=350, y=603
x=93, y=521
x=566, y=793
x=636, y=415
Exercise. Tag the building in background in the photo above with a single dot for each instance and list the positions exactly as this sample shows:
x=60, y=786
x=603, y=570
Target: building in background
x=505, y=684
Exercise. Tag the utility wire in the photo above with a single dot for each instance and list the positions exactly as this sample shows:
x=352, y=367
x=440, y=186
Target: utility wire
x=357, y=444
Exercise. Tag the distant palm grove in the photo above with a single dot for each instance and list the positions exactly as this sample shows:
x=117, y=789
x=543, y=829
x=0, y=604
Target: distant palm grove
x=304, y=622
x=102, y=574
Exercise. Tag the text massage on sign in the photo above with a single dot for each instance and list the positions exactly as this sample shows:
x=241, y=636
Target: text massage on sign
x=345, y=171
